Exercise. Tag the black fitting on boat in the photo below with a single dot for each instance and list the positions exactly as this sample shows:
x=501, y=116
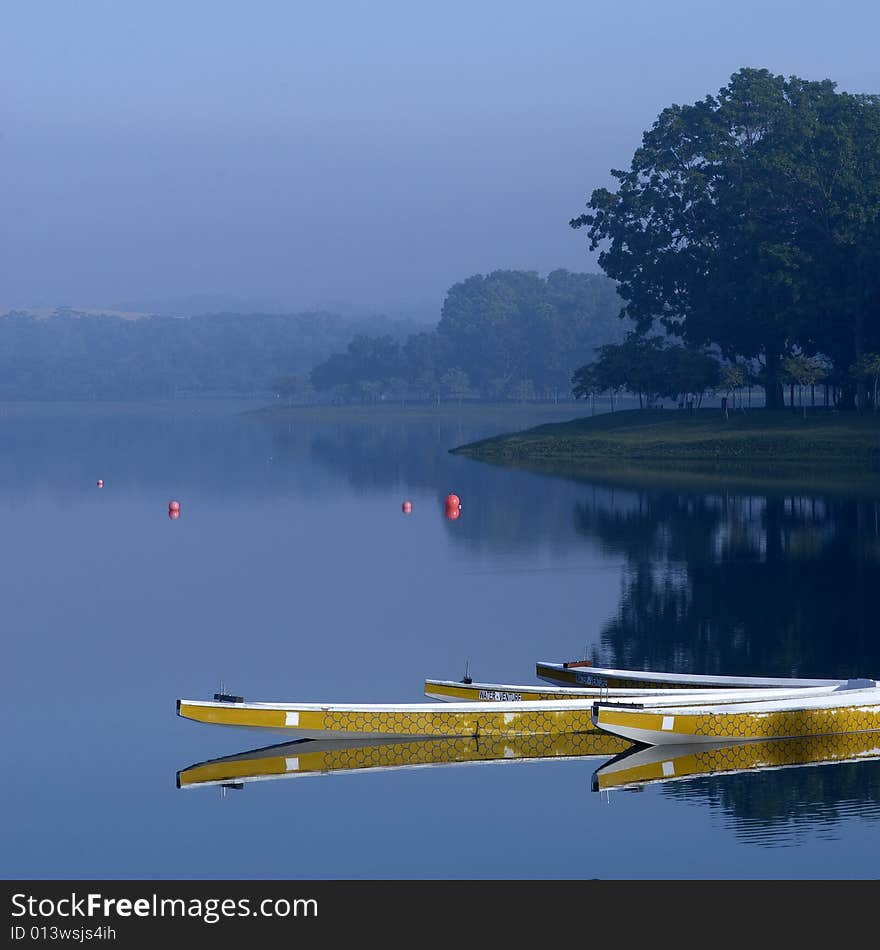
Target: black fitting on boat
x=227, y=698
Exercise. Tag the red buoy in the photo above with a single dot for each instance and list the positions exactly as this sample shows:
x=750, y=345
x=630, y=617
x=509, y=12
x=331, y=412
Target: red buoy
x=100, y=483
x=173, y=513
x=453, y=512
x=174, y=506
x=406, y=507
x=453, y=501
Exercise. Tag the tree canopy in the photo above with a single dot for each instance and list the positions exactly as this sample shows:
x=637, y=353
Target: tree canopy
x=649, y=367
x=503, y=335
x=751, y=220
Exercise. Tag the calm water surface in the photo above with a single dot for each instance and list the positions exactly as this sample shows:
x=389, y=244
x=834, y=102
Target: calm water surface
x=292, y=574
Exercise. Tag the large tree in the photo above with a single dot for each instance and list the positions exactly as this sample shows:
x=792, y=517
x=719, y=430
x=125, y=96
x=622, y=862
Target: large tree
x=835, y=189
x=750, y=220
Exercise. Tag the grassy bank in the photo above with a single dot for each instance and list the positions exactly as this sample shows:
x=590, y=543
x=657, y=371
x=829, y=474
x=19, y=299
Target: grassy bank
x=761, y=438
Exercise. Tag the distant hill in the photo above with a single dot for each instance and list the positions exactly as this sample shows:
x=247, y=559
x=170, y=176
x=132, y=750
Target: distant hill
x=43, y=313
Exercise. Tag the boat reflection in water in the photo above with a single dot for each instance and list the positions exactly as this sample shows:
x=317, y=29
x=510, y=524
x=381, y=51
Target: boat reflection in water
x=764, y=792
x=328, y=756
x=638, y=766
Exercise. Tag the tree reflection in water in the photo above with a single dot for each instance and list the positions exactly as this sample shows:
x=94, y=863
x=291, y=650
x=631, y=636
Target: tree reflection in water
x=718, y=582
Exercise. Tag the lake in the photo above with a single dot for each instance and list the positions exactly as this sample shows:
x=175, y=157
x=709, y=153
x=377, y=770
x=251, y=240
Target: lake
x=292, y=574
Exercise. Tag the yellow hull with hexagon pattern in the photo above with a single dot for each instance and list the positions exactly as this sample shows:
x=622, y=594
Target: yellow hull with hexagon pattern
x=439, y=719
x=318, y=720
x=444, y=719
x=851, y=708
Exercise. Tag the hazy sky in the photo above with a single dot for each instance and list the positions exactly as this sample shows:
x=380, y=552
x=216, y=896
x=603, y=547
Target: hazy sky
x=291, y=154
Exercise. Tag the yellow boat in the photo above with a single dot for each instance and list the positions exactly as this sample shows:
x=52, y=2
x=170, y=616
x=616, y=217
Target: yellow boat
x=320, y=757
x=583, y=673
x=852, y=707
x=665, y=763
x=439, y=719
x=328, y=720
x=462, y=691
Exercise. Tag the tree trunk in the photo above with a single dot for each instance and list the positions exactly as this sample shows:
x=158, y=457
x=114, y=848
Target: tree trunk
x=862, y=383
x=859, y=337
x=846, y=396
x=774, y=398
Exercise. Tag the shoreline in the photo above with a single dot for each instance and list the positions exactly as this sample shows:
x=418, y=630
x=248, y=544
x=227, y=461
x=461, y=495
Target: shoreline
x=761, y=443
x=387, y=410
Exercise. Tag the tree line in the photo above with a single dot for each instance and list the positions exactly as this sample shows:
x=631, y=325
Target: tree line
x=653, y=368
x=740, y=248
x=506, y=335
x=72, y=355
x=748, y=224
